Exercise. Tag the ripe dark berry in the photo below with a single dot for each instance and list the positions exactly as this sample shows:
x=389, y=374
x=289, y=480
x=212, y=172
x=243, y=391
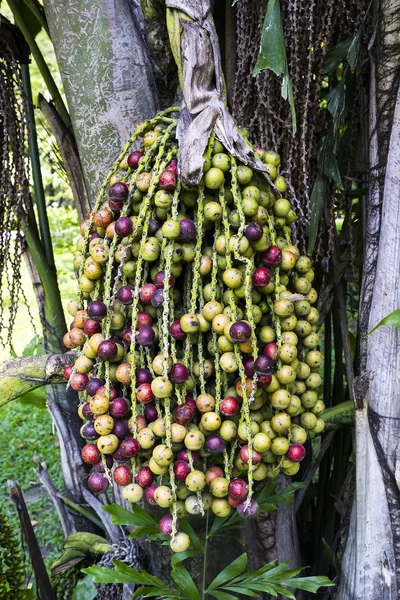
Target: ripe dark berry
x=263, y=381
x=133, y=159
x=271, y=257
x=118, y=191
x=68, y=371
x=86, y=412
x=271, y=350
x=168, y=180
x=143, y=376
x=264, y=365
x=146, y=292
x=214, y=444
x=119, y=457
x=159, y=280
x=78, y=381
x=296, y=452
x=143, y=318
x=115, y=206
x=240, y=331
x=261, y=277
x=176, y=331
x=248, y=364
x=91, y=327
x=90, y=454
x=150, y=413
x=129, y=447
x=107, y=350
x=229, y=406
x=120, y=429
x=96, y=310
x=119, y=408
x=94, y=384
x=254, y=232
x=88, y=432
x=183, y=455
x=181, y=469
x=125, y=294
x=149, y=494
x=146, y=336
x=122, y=475
x=248, y=512
x=179, y=373
x=188, y=231
x=144, y=477
x=165, y=525
x=237, y=489
x=157, y=298
x=123, y=227
x=97, y=483
x=183, y=414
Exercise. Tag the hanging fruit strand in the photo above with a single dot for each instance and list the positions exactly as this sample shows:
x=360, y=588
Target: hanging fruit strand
x=198, y=355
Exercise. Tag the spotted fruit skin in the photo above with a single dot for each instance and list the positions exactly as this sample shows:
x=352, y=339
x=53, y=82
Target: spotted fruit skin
x=195, y=333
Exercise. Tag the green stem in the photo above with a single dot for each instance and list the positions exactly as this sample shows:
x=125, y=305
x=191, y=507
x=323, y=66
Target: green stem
x=203, y=591
x=55, y=326
x=41, y=63
x=36, y=171
x=37, y=9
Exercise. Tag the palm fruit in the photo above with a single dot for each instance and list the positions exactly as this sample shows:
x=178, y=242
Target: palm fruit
x=195, y=330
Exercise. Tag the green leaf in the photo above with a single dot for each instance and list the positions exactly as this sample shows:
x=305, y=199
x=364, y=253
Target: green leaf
x=179, y=557
x=123, y=574
x=194, y=538
x=341, y=414
x=391, y=319
x=84, y=589
x=137, y=518
x=30, y=19
x=237, y=567
x=308, y=584
x=286, y=495
x=107, y=575
x=266, y=491
x=35, y=398
x=336, y=103
x=272, y=54
x=318, y=197
x=354, y=50
x=223, y=595
x=34, y=347
x=140, y=531
x=336, y=55
x=184, y=582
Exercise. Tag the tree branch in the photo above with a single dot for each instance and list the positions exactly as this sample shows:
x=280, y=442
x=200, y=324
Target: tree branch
x=21, y=375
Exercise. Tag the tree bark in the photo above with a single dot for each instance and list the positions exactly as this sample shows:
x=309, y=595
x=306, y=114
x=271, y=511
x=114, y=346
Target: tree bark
x=107, y=77
x=21, y=375
x=371, y=563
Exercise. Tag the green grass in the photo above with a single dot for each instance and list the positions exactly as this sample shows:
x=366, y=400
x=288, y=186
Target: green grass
x=29, y=440
x=28, y=436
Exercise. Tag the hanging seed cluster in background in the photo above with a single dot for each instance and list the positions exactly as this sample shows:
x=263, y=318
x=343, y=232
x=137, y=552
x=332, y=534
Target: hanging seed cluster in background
x=198, y=353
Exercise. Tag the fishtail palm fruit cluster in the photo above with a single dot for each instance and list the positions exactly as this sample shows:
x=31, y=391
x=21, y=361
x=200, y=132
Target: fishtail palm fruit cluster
x=196, y=330
x=11, y=565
